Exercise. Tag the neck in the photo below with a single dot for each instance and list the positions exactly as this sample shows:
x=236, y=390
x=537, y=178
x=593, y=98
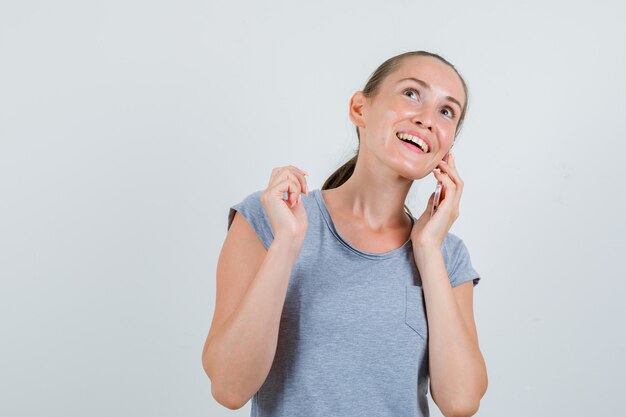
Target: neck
x=377, y=201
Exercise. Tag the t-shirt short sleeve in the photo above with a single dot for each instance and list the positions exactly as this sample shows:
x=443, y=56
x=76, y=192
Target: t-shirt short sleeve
x=458, y=262
x=253, y=211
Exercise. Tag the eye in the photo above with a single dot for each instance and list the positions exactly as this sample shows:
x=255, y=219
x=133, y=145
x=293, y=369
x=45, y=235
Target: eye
x=451, y=111
x=412, y=90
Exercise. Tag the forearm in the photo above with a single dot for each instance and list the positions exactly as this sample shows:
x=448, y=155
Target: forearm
x=241, y=353
x=457, y=369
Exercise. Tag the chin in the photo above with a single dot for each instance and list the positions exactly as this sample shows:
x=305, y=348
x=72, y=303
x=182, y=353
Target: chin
x=413, y=175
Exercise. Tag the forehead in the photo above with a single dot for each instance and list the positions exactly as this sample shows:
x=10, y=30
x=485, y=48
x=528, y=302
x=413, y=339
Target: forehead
x=442, y=79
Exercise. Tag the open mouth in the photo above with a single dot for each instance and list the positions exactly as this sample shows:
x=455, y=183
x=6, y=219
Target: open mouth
x=414, y=141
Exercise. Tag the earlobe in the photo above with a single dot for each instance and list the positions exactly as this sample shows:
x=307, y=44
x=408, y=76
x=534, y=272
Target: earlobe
x=357, y=104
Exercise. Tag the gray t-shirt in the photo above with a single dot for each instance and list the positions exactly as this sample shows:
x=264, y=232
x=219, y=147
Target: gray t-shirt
x=353, y=336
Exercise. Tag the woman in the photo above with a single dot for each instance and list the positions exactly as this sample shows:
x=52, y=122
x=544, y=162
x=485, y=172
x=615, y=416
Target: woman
x=338, y=302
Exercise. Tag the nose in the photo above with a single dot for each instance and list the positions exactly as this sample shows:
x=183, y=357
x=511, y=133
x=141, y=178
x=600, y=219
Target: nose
x=424, y=119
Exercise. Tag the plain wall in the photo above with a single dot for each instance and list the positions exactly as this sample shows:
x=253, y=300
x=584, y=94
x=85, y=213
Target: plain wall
x=127, y=129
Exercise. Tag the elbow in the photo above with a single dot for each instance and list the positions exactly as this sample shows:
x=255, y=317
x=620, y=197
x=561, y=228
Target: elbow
x=223, y=397
x=462, y=410
x=227, y=400
x=460, y=406
x=467, y=405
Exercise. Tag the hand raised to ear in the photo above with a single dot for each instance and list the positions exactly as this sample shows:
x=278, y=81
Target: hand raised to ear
x=431, y=231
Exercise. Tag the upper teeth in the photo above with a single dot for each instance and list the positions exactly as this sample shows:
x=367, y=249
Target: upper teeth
x=423, y=146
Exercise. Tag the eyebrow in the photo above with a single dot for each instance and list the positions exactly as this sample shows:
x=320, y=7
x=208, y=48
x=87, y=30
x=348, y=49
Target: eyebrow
x=426, y=86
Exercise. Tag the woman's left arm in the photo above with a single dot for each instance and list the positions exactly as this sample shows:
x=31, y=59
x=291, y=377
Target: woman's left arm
x=458, y=374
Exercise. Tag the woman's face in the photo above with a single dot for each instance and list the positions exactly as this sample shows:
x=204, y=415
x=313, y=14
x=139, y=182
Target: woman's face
x=423, y=96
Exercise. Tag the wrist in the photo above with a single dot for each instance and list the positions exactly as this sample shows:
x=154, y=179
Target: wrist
x=424, y=253
x=288, y=246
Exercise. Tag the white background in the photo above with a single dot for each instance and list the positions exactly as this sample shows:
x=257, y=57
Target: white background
x=127, y=129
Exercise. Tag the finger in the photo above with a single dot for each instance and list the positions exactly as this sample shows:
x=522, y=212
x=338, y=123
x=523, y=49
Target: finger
x=285, y=181
x=449, y=187
x=452, y=172
x=298, y=173
x=278, y=174
x=450, y=164
x=297, y=180
x=443, y=176
x=301, y=175
x=303, y=172
x=290, y=186
x=457, y=179
x=453, y=193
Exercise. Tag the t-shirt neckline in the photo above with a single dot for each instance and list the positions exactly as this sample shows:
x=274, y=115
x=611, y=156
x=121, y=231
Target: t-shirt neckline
x=317, y=193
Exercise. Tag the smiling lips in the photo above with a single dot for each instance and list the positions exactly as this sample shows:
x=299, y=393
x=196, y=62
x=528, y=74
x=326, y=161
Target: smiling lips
x=414, y=141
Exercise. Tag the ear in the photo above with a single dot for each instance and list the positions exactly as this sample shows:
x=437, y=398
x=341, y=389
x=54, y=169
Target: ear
x=357, y=104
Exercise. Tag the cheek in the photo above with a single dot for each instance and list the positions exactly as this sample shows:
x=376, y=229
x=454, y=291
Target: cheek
x=391, y=115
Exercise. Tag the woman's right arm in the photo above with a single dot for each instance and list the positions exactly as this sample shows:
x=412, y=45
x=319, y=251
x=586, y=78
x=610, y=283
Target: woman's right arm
x=250, y=293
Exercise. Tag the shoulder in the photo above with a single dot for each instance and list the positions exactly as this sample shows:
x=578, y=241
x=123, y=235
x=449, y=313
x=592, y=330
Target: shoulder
x=458, y=261
x=252, y=209
x=249, y=204
x=451, y=239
